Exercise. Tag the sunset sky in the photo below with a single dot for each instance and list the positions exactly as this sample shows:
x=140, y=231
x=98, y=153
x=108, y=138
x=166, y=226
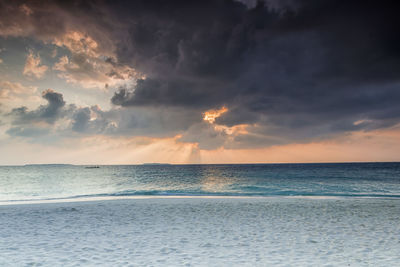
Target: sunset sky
x=129, y=82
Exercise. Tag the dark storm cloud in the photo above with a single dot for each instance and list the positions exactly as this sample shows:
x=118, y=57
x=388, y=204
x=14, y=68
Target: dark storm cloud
x=223, y=43
x=154, y=92
x=303, y=70
x=47, y=19
x=293, y=70
x=45, y=113
x=81, y=120
x=136, y=121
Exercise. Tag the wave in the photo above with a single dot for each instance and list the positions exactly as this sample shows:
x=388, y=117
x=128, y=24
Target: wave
x=168, y=194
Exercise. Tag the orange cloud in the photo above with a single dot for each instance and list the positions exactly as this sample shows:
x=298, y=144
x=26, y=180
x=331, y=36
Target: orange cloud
x=212, y=114
x=90, y=65
x=33, y=66
x=16, y=94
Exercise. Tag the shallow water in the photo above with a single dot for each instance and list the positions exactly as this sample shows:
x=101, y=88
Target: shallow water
x=41, y=182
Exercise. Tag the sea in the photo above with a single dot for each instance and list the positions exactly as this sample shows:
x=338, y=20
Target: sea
x=57, y=181
x=343, y=214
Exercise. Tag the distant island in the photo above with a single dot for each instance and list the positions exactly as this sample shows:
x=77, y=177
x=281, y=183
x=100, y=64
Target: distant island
x=49, y=165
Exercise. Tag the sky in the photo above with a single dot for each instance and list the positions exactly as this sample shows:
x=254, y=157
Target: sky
x=130, y=82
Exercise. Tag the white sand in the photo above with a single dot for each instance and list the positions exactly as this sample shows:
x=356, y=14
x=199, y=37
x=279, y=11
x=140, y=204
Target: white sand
x=202, y=232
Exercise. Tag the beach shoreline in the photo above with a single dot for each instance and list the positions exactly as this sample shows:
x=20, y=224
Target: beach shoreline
x=144, y=197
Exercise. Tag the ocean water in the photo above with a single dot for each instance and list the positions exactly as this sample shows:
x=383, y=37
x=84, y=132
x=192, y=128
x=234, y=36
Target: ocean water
x=201, y=215
x=46, y=182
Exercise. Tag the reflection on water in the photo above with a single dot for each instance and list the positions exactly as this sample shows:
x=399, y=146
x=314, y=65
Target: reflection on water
x=216, y=184
x=47, y=182
x=215, y=179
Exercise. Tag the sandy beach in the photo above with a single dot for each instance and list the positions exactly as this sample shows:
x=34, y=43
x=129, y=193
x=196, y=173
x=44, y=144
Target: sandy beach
x=197, y=231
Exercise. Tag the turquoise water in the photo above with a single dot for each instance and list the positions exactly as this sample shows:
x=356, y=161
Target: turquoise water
x=358, y=226
x=43, y=182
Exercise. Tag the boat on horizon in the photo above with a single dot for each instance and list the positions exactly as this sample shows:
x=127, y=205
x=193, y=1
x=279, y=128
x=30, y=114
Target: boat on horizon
x=92, y=167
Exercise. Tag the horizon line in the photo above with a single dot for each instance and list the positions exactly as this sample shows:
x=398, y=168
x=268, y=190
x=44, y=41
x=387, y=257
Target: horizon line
x=178, y=164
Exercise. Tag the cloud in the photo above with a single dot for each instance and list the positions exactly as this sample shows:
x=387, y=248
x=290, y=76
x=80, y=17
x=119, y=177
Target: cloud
x=78, y=43
x=33, y=66
x=205, y=136
x=44, y=113
x=89, y=65
x=273, y=5
x=293, y=72
x=287, y=71
x=30, y=132
x=8, y=90
x=39, y=123
x=53, y=22
x=93, y=72
x=155, y=92
x=64, y=120
x=15, y=19
x=91, y=62
x=16, y=94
